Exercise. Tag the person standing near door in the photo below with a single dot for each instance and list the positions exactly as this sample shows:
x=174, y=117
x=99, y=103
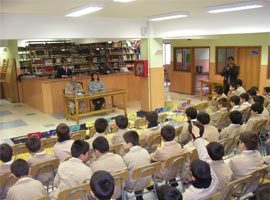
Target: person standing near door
x=230, y=73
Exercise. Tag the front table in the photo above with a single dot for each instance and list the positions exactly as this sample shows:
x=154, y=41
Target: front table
x=107, y=93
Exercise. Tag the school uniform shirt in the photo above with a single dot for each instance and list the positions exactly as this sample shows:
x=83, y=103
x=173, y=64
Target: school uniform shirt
x=25, y=189
x=244, y=105
x=231, y=93
x=236, y=107
x=118, y=136
x=5, y=167
x=251, y=122
x=240, y=90
x=62, y=150
x=91, y=140
x=185, y=136
x=150, y=131
x=267, y=162
x=265, y=113
x=212, y=106
x=169, y=149
x=215, y=118
x=230, y=131
x=136, y=157
x=210, y=133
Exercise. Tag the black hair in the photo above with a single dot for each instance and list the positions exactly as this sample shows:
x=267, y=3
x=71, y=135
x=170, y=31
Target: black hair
x=257, y=107
x=233, y=84
x=19, y=168
x=191, y=112
x=131, y=137
x=244, y=96
x=236, y=117
x=238, y=82
x=121, y=121
x=197, y=124
x=152, y=116
x=267, y=89
x=92, y=76
x=258, y=99
x=250, y=139
x=101, y=125
x=235, y=99
x=230, y=58
x=223, y=101
x=215, y=150
x=101, y=144
x=62, y=131
x=33, y=144
x=167, y=192
x=5, y=152
x=102, y=185
x=219, y=90
x=252, y=92
x=201, y=172
x=79, y=147
x=203, y=117
x=168, y=133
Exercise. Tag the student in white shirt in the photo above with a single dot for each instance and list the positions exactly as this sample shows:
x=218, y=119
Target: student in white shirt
x=235, y=103
x=244, y=98
x=240, y=90
x=122, y=123
x=260, y=99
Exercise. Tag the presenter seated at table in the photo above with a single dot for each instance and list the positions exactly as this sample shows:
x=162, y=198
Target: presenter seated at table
x=74, y=88
x=63, y=71
x=96, y=85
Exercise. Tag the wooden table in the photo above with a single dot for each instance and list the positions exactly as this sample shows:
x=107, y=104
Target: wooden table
x=78, y=98
x=211, y=84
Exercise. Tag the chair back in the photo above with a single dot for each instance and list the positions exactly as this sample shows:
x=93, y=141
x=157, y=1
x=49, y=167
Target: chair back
x=142, y=142
x=201, y=106
x=114, y=129
x=119, y=180
x=162, y=117
x=79, y=192
x=19, y=149
x=146, y=170
x=92, y=132
x=259, y=126
x=227, y=143
x=215, y=196
x=48, y=142
x=45, y=167
x=234, y=144
x=245, y=114
x=44, y=198
x=115, y=148
x=78, y=135
x=193, y=155
x=140, y=122
x=6, y=181
x=153, y=142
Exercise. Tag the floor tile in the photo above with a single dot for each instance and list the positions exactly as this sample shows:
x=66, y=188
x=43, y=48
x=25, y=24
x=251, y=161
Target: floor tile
x=30, y=114
x=49, y=125
x=5, y=112
x=12, y=124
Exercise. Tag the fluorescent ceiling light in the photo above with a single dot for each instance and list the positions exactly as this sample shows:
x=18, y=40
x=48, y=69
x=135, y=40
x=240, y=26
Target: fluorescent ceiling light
x=123, y=1
x=167, y=16
x=83, y=10
x=235, y=7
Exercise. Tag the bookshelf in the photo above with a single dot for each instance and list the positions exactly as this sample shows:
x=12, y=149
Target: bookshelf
x=43, y=57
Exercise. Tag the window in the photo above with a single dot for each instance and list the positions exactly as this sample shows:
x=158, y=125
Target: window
x=222, y=53
x=182, y=59
x=166, y=54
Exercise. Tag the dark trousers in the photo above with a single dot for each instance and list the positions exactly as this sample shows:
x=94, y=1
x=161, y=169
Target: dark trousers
x=98, y=103
x=225, y=87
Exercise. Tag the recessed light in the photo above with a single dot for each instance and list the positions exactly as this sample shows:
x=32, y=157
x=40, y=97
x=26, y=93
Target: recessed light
x=123, y=1
x=168, y=16
x=83, y=10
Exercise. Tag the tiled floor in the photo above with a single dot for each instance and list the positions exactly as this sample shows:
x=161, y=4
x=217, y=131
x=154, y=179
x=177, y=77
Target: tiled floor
x=17, y=119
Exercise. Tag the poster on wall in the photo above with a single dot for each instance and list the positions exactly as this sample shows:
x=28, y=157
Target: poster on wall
x=141, y=68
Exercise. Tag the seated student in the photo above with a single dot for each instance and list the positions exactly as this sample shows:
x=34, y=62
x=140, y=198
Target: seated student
x=136, y=157
x=252, y=92
x=234, y=103
x=39, y=156
x=167, y=192
x=63, y=146
x=25, y=188
x=244, y=104
x=107, y=161
x=6, y=157
x=170, y=148
x=74, y=171
x=256, y=116
x=240, y=90
x=102, y=185
x=260, y=99
x=191, y=114
x=210, y=132
x=216, y=117
x=232, y=90
x=249, y=159
x=213, y=104
x=266, y=95
x=234, y=128
x=122, y=123
x=153, y=127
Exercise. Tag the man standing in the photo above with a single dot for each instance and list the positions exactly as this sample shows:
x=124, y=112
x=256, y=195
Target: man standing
x=230, y=73
x=64, y=71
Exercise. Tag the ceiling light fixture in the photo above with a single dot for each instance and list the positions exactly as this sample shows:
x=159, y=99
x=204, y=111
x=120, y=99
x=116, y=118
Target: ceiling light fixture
x=83, y=10
x=235, y=7
x=123, y=1
x=168, y=16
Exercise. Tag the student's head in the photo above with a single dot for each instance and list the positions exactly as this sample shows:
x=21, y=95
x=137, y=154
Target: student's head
x=219, y=90
x=215, y=150
x=102, y=185
x=152, y=117
x=80, y=149
x=167, y=192
x=258, y=99
x=62, y=132
x=234, y=100
x=5, y=152
x=238, y=82
x=131, y=139
x=74, y=79
x=191, y=113
x=33, y=144
x=101, y=125
x=168, y=133
x=244, y=97
x=197, y=124
x=252, y=92
x=121, y=121
x=95, y=76
x=266, y=90
x=233, y=86
x=203, y=117
x=256, y=108
x=19, y=168
x=236, y=117
x=101, y=145
x=222, y=102
x=248, y=140
x=201, y=174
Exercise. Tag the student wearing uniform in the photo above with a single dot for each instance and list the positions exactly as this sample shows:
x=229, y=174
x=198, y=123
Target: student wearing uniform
x=25, y=188
x=234, y=103
x=222, y=109
x=260, y=99
x=136, y=157
x=252, y=92
x=213, y=104
x=210, y=132
x=234, y=128
x=63, y=146
x=266, y=95
x=167, y=192
x=244, y=104
x=74, y=171
x=122, y=123
x=240, y=90
x=232, y=91
x=152, y=127
x=6, y=157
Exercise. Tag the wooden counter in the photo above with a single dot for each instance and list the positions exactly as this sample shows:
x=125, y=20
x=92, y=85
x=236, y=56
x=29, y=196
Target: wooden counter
x=46, y=95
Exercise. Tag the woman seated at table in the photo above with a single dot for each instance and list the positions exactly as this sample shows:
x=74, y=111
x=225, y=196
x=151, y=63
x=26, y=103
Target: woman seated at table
x=97, y=85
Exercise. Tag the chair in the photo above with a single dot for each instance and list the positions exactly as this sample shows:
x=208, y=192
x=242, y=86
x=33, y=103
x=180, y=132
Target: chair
x=115, y=148
x=48, y=142
x=92, y=131
x=6, y=181
x=178, y=132
x=114, y=129
x=78, y=135
x=162, y=117
x=234, y=144
x=119, y=180
x=44, y=198
x=201, y=106
x=227, y=143
x=153, y=142
x=19, y=149
x=215, y=196
x=79, y=192
x=259, y=128
x=140, y=122
x=245, y=114
x=224, y=121
x=142, y=142
x=193, y=155
x=45, y=172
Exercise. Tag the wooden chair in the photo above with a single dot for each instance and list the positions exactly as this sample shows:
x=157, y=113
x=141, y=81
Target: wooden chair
x=162, y=117
x=6, y=181
x=193, y=155
x=44, y=198
x=142, y=142
x=78, y=135
x=227, y=143
x=153, y=142
x=224, y=121
x=178, y=132
x=258, y=127
x=234, y=144
x=92, y=131
x=140, y=122
x=115, y=148
x=201, y=106
x=19, y=149
x=215, y=196
x=79, y=192
x=119, y=180
x=48, y=142
x=114, y=129
x=245, y=114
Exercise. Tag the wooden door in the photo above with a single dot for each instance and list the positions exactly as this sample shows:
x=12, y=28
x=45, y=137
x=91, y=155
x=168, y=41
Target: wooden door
x=249, y=60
